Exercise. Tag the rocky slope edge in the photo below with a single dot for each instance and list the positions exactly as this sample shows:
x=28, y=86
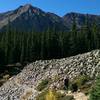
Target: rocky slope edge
x=23, y=86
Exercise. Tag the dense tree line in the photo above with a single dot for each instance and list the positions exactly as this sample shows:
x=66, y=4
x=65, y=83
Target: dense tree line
x=29, y=46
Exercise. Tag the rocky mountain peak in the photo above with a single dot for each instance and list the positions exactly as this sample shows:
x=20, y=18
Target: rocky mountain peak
x=28, y=8
x=34, y=9
x=28, y=15
x=28, y=5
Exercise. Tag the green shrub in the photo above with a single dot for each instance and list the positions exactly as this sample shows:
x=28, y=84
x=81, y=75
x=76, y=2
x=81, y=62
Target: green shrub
x=82, y=80
x=79, y=82
x=95, y=92
x=43, y=84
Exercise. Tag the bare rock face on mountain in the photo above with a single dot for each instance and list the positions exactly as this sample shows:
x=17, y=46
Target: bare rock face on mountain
x=80, y=19
x=29, y=18
x=24, y=84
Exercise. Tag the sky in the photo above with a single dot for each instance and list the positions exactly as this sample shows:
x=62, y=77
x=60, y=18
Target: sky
x=59, y=7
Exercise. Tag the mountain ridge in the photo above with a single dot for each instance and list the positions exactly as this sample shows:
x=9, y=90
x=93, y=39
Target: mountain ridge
x=29, y=17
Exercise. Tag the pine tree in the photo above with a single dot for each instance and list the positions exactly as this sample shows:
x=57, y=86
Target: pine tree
x=22, y=44
x=42, y=45
x=73, y=37
x=66, y=44
x=61, y=43
x=95, y=39
x=88, y=32
x=47, y=42
x=7, y=43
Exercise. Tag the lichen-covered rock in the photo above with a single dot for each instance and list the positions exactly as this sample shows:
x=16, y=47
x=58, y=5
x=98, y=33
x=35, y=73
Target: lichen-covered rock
x=23, y=86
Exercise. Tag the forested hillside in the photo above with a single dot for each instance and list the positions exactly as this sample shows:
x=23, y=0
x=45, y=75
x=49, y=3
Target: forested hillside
x=24, y=47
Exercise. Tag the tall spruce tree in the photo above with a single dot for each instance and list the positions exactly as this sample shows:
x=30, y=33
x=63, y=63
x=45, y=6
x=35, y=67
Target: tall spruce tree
x=73, y=36
x=88, y=32
x=95, y=39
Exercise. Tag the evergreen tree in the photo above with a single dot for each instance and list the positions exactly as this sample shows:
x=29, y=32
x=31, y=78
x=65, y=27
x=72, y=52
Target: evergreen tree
x=73, y=37
x=88, y=33
x=22, y=45
x=42, y=45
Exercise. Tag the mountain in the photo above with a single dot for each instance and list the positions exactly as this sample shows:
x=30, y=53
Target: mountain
x=24, y=85
x=80, y=19
x=28, y=18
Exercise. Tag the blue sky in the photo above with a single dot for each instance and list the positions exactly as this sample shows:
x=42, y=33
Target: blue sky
x=59, y=7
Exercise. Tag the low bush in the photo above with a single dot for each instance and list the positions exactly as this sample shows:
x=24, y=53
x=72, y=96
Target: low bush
x=95, y=92
x=43, y=84
x=81, y=80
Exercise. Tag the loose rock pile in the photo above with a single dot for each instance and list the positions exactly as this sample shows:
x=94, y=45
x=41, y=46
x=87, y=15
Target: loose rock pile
x=23, y=86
